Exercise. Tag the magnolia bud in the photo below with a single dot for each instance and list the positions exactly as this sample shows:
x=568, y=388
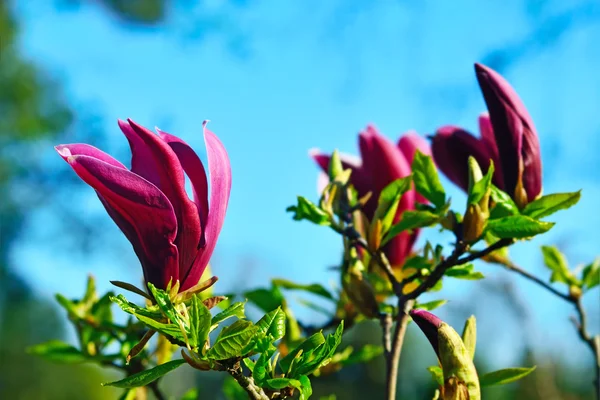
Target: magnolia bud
x=473, y=223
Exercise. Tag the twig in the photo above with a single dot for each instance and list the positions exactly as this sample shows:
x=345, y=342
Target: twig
x=393, y=359
x=247, y=383
x=515, y=268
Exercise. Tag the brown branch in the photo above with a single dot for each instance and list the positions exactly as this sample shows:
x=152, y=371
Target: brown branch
x=393, y=358
x=247, y=383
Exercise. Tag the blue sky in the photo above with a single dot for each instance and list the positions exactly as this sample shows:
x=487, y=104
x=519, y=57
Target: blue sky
x=277, y=78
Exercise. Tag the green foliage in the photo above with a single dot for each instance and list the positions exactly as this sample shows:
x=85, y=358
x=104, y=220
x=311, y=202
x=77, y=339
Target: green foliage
x=464, y=271
x=427, y=181
x=480, y=188
x=551, y=203
x=504, y=205
x=57, y=351
x=200, y=322
x=314, y=288
x=232, y=340
x=437, y=374
x=517, y=227
x=591, y=274
x=557, y=263
x=388, y=202
x=469, y=335
x=235, y=310
x=273, y=324
x=232, y=390
x=504, y=376
x=307, y=210
x=430, y=305
x=411, y=220
x=148, y=376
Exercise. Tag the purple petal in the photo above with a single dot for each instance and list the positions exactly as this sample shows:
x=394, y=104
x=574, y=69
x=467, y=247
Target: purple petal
x=193, y=168
x=220, y=188
x=82, y=149
x=515, y=133
x=154, y=160
x=429, y=324
x=452, y=147
x=138, y=207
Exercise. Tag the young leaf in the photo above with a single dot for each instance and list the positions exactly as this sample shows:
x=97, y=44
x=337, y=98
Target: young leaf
x=504, y=376
x=163, y=301
x=151, y=312
x=427, y=181
x=431, y=305
x=200, y=322
x=464, y=271
x=273, y=324
x=504, y=205
x=411, y=220
x=591, y=274
x=517, y=227
x=306, y=389
x=234, y=310
x=172, y=330
x=363, y=355
x=313, y=288
x=305, y=209
x=481, y=187
x=310, y=361
x=191, y=394
x=557, y=263
x=551, y=203
x=437, y=374
x=57, y=351
x=232, y=340
x=280, y=383
x=388, y=201
x=148, y=376
x=265, y=299
x=469, y=335
x=335, y=166
x=309, y=344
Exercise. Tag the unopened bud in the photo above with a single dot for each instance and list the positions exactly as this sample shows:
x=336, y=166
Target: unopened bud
x=473, y=223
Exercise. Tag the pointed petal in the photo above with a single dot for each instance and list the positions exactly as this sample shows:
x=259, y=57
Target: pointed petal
x=408, y=144
x=139, y=208
x=429, y=324
x=515, y=133
x=82, y=149
x=193, y=168
x=154, y=160
x=451, y=147
x=220, y=188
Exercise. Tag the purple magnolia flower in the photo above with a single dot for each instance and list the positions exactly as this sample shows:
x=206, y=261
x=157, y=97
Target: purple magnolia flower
x=173, y=236
x=508, y=137
x=382, y=163
x=429, y=324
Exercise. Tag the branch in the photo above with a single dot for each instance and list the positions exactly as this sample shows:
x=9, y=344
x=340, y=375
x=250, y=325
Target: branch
x=393, y=358
x=515, y=268
x=247, y=383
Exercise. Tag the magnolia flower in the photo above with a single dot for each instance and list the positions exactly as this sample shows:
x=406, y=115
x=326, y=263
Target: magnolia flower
x=173, y=236
x=382, y=163
x=508, y=137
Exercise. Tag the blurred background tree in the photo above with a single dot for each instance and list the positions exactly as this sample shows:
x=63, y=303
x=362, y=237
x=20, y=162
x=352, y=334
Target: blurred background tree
x=35, y=113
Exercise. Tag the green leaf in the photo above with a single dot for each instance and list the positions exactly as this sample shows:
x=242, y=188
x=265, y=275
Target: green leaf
x=57, y=351
x=313, y=288
x=481, y=187
x=273, y=323
x=388, y=202
x=312, y=360
x=363, y=355
x=504, y=376
x=557, y=263
x=464, y=271
x=265, y=299
x=306, y=390
x=335, y=166
x=280, y=383
x=305, y=209
x=411, y=220
x=234, y=310
x=200, y=322
x=192, y=394
x=504, y=205
x=427, y=181
x=517, y=227
x=309, y=344
x=431, y=305
x=232, y=340
x=166, y=329
x=551, y=203
x=163, y=301
x=68, y=305
x=437, y=374
x=232, y=390
x=148, y=376
x=151, y=312
x=469, y=335
x=591, y=274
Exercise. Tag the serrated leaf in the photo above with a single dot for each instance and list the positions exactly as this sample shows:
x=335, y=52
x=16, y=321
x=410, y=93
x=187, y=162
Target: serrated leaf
x=427, y=181
x=265, y=299
x=57, y=351
x=148, y=376
x=309, y=344
x=200, y=322
x=232, y=340
x=272, y=323
x=307, y=210
x=551, y=203
x=469, y=335
x=306, y=388
x=591, y=274
x=234, y=310
x=411, y=220
x=437, y=374
x=557, y=263
x=431, y=305
x=504, y=376
x=517, y=227
x=313, y=288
